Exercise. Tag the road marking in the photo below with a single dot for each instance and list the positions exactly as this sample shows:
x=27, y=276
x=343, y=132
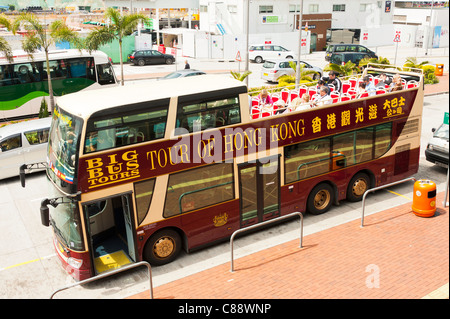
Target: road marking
x=27, y=262
x=399, y=194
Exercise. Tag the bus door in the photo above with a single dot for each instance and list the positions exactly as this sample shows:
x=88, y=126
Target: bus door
x=110, y=232
x=259, y=191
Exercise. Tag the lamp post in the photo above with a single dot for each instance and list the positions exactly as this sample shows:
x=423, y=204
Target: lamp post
x=430, y=32
x=300, y=22
x=246, y=40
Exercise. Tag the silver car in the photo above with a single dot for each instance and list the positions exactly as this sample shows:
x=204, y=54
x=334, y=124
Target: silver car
x=23, y=143
x=273, y=69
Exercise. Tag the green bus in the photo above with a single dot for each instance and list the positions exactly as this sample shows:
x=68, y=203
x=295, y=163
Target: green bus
x=24, y=83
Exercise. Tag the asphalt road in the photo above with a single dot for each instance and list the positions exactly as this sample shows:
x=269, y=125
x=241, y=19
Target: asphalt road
x=29, y=267
x=317, y=59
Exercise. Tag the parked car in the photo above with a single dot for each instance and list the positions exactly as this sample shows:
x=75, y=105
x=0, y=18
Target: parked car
x=437, y=148
x=348, y=48
x=182, y=73
x=143, y=57
x=342, y=58
x=263, y=52
x=23, y=143
x=273, y=69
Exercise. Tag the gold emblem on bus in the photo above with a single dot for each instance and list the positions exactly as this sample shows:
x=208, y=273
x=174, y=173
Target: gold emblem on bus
x=220, y=220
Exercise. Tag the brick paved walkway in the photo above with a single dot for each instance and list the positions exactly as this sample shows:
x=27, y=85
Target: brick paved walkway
x=396, y=254
x=441, y=87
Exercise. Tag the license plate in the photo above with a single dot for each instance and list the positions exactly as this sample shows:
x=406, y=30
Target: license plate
x=265, y=74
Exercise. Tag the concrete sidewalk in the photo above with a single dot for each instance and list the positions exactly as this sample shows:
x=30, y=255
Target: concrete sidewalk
x=395, y=255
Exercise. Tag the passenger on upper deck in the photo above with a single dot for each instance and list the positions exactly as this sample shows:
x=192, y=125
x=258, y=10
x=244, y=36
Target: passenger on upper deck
x=264, y=98
x=384, y=80
x=323, y=99
x=299, y=103
x=370, y=88
x=361, y=89
x=321, y=83
x=333, y=79
x=397, y=83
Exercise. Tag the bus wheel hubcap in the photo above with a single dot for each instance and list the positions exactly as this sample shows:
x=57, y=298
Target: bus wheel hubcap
x=164, y=247
x=359, y=187
x=322, y=199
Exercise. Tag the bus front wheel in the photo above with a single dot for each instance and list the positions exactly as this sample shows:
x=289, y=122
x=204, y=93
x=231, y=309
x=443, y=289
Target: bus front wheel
x=320, y=199
x=163, y=247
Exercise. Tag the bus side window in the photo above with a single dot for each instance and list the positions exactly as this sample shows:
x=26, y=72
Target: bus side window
x=121, y=130
x=307, y=159
x=198, y=188
x=208, y=114
x=144, y=195
x=383, y=137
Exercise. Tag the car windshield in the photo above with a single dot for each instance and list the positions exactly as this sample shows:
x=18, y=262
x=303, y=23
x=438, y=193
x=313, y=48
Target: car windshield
x=64, y=143
x=442, y=132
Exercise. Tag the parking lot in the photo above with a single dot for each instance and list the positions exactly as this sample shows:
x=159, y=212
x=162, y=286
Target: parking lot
x=317, y=59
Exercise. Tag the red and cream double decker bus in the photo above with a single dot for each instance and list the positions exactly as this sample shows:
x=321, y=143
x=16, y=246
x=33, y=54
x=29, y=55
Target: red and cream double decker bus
x=142, y=171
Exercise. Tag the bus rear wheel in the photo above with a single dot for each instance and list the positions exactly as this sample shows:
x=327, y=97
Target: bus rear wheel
x=163, y=247
x=320, y=199
x=358, y=185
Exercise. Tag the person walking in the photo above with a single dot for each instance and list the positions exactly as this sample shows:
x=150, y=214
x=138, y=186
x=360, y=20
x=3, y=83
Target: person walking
x=186, y=65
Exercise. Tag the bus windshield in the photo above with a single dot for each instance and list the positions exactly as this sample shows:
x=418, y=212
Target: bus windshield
x=64, y=143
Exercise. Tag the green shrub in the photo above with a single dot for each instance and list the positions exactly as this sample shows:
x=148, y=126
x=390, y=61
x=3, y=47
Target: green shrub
x=428, y=74
x=43, y=111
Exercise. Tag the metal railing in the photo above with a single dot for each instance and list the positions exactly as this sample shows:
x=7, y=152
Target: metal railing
x=378, y=188
x=262, y=224
x=110, y=273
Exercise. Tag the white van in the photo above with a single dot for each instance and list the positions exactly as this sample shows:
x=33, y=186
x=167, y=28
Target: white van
x=263, y=52
x=437, y=148
x=23, y=143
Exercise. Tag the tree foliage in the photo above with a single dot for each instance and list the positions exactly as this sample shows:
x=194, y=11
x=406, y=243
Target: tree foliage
x=5, y=48
x=240, y=76
x=118, y=27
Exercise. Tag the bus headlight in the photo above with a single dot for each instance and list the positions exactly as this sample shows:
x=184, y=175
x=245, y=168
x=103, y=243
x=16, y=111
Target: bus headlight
x=75, y=263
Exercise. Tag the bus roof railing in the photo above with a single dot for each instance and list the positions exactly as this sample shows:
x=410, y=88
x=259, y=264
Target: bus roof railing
x=395, y=67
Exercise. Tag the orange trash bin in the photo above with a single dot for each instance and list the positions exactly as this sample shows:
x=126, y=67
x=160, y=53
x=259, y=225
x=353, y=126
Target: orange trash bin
x=424, y=198
x=439, y=71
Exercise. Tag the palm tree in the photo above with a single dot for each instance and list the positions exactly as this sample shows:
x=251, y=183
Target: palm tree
x=380, y=60
x=240, y=76
x=38, y=37
x=118, y=27
x=304, y=74
x=412, y=62
x=347, y=69
x=5, y=48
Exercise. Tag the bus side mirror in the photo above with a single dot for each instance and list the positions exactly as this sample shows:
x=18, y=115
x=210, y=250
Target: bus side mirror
x=45, y=215
x=22, y=174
